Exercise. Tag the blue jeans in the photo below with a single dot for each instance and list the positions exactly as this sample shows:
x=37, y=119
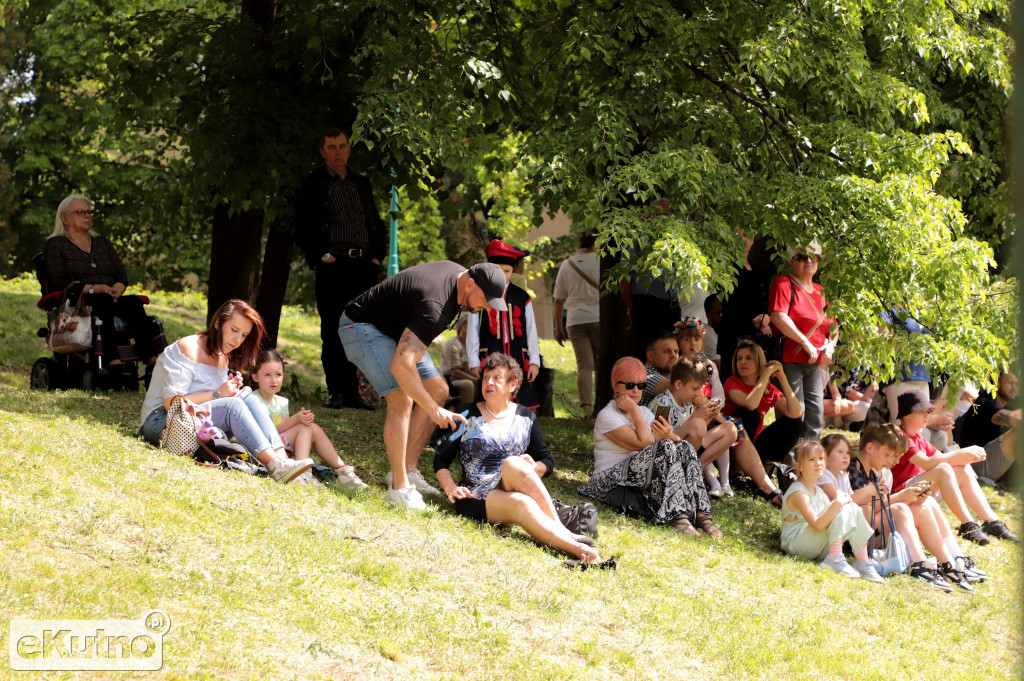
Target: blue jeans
x=372, y=352
x=805, y=379
x=248, y=420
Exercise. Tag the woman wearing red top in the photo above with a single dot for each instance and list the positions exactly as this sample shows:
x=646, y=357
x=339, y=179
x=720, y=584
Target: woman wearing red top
x=749, y=394
x=798, y=310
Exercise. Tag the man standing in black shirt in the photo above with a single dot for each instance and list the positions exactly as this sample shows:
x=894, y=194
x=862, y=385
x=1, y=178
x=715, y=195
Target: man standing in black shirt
x=386, y=332
x=993, y=424
x=344, y=240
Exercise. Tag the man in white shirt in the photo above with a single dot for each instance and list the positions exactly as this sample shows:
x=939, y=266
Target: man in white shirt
x=577, y=291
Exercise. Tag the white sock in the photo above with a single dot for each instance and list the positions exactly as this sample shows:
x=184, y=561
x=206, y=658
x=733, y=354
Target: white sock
x=952, y=547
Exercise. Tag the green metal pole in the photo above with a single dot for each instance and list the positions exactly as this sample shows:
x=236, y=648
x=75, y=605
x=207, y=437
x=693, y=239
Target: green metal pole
x=393, y=252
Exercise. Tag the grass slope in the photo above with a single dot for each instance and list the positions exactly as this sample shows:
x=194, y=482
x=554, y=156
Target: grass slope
x=263, y=580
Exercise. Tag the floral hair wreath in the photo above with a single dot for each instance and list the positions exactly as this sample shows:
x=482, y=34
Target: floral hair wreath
x=690, y=323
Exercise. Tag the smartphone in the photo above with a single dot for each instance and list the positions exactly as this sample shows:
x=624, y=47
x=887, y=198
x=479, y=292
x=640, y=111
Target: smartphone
x=715, y=404
x=924, y=488
x=662, y=412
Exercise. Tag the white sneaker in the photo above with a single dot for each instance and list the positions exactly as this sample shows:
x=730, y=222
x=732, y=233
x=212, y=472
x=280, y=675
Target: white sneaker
x=406, y=498
x=286, y=470
x=840, y=565
x=348, y=478
x=417, y=480
x=307, y=478
x=866, y=569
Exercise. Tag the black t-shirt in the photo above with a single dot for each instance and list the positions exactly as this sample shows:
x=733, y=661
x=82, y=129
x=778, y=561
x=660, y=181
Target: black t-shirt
x=978, y=428
x=423, y=299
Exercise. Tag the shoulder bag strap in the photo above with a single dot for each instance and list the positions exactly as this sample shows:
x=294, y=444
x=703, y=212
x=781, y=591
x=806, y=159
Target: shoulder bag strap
x=583, y=274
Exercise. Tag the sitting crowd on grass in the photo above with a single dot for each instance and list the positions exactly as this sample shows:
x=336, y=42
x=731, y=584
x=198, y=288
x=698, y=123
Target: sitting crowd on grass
x=673, y=437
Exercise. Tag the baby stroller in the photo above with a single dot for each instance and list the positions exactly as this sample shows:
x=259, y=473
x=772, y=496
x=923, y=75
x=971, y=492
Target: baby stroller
x=82, y=347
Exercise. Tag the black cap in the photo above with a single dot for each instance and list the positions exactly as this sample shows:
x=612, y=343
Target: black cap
x=912, y=401
x=491, y=281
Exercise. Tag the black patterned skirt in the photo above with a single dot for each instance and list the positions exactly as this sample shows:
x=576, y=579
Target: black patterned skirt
x=660, y=483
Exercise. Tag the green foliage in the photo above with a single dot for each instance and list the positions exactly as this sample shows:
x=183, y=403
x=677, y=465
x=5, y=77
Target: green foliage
x=669, y=127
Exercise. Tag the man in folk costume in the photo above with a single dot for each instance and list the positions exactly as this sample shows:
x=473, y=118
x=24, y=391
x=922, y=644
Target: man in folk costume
x=513, y=332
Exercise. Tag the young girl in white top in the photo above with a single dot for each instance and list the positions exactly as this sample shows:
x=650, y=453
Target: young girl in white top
x=814, y=528
x=836, y=477
x=298, y=431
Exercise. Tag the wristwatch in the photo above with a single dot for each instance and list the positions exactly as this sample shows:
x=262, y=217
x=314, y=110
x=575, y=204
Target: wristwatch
x=216, y=394
x=92, y=290
x=325, y=257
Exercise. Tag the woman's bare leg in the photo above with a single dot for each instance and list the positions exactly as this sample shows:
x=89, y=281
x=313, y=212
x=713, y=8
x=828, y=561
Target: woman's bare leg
x=517, y=508
x=750, y=463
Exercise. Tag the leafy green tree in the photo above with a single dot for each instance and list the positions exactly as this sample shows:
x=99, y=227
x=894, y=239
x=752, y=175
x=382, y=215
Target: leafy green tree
x=669, y=126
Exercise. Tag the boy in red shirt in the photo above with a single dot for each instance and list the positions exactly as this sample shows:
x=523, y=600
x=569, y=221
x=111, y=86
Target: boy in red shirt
x=951, y=472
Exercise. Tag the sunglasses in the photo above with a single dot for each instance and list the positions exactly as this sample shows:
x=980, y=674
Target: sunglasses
x=806, y=257
x=630, y=385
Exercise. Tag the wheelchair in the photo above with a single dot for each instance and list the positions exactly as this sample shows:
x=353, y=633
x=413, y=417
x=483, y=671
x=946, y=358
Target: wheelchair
x=80, y=366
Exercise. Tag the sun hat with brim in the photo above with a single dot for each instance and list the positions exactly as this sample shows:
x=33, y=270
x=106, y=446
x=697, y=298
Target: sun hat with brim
x=911, y=402
x=813, y=248
x=491, y=281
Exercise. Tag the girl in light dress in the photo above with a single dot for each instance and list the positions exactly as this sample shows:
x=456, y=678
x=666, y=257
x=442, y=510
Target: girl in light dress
x=814, y=528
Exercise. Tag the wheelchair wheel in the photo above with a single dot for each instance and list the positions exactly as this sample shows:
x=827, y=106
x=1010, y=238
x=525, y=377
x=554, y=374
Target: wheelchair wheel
x=45, y=373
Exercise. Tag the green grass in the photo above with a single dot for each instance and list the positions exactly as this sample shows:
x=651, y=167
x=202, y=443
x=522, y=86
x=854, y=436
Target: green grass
x=263, y=580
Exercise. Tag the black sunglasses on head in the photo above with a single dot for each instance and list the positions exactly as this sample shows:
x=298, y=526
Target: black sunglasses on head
x=630, y=385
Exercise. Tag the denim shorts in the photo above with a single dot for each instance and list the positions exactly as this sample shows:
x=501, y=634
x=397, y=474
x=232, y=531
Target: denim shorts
x=372, y=352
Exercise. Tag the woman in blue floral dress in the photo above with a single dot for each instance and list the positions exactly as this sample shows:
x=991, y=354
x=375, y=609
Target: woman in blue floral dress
x=503, y=459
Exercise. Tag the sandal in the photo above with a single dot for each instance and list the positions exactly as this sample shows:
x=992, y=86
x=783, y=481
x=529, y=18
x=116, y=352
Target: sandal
x=683, y=525
x=705, y=523
x=774, y=497
x=610, y=564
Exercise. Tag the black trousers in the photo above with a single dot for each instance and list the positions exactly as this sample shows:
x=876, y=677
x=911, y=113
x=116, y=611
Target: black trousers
x=774, y=441
x=337, y=284
x=149, y=338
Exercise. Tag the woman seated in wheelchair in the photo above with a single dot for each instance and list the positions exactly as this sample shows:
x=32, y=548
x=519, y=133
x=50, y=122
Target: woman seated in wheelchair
x=75, y=253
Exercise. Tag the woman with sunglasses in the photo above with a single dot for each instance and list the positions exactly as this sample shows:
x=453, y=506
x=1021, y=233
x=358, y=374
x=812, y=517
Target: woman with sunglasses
x=640, y=466
x=74, y=253
x=798, y=309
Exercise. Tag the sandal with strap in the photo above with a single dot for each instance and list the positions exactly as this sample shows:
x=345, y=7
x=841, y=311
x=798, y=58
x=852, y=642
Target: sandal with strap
x=683, y=525
x=705, y=523
x=774, y=497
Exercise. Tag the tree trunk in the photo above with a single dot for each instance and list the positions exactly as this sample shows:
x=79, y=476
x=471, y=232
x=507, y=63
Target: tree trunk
x=277, y=260
x=234, y=257
x=616, y=341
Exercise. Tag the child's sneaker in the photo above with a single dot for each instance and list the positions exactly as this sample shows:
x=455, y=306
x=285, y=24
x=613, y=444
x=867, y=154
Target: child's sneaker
x=866, y=569
x=727, y=490
x=956, y=577
x=840, y=565
x=406, y=498
x=928, y=571
x=348, y=478
x=286, y=470
x=974, y=533
x=417, y=480
x=966, y=564
x=998, y=529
